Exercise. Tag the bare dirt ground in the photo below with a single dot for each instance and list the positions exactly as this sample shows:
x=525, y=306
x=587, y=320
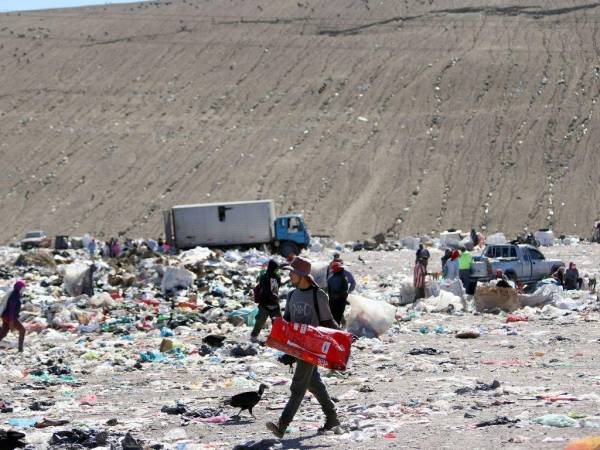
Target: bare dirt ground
x=366, y=116
x=387, y=398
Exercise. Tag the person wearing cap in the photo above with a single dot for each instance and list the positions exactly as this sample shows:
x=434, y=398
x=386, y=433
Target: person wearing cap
x=268, y=300
x=347, y=273
x=10, y=314
x=306, y=304
x=338, y=289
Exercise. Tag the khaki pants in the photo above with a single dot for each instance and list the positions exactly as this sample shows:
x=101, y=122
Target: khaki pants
x=306, y=378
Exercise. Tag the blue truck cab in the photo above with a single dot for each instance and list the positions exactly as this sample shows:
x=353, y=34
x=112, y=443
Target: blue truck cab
x=291, y=234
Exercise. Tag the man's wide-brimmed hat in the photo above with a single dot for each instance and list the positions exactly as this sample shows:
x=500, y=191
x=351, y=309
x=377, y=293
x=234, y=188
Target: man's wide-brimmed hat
x=301, y=266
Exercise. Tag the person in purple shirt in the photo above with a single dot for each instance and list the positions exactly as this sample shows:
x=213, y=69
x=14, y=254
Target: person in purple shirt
x=10, y=315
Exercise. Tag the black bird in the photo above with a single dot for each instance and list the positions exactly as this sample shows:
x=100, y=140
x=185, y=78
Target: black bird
x=247, y=400
x=10, y=440
x=214, y=340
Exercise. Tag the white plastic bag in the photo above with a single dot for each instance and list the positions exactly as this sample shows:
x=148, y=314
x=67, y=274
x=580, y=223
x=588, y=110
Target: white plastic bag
x=455, y=287
x=3, y=301
x=74, y=278
x=319, y=273
x=444, y=302
x=496, y=239
x=369, y=318
x=407, y=293
x=411, y=242
x=177, y=277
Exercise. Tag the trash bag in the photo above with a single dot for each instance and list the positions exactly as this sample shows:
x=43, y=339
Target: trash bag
x=407, y=293
x=487, y=298
x=410, y=242
x=496, y=239
x=556, y=420
x=444, y=302
x=432, y=288
x=547, y=294
x=369, y=318
x=455, y=287
x=4, y=300
x=544, y=237
x=74, y=277
x=177, y=277
x=248, y=314
x=315, y=245
x=319, y=273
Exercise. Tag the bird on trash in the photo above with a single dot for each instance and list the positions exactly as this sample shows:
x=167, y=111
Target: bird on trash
x=10, y=440
x=247, y=400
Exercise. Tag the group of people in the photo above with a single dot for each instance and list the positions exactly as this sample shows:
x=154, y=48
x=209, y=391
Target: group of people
x=569, y=279
x=455, y=264
x=340, y=283
x=114, y=249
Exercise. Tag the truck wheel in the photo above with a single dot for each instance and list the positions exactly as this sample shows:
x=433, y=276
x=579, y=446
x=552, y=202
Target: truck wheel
x=286, y=248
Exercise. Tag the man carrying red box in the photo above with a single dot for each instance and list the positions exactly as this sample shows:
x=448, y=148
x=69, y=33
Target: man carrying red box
x=306, y=304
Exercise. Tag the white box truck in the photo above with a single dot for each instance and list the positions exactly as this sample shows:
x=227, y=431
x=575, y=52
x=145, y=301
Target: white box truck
x=227, y=224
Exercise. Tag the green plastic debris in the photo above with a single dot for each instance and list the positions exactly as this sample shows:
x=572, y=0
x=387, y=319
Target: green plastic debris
x=556, y=420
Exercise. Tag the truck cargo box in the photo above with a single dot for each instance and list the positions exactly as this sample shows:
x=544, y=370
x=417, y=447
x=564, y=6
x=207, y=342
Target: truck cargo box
x=223, y=224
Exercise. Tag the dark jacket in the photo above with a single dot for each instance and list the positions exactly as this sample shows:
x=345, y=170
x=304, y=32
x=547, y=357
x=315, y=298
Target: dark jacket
x=269, y=283
x=571, y=279
x=337, y=286
x=13, y=306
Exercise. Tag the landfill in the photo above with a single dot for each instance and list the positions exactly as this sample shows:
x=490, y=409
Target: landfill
x=145, y=351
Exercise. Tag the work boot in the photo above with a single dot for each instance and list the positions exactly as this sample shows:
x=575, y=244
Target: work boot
x=254, y=339
x=330, y=424
x=277, y=430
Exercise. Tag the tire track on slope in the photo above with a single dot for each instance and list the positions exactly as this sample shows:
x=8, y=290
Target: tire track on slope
x=514, y=142
x=578, y=127
x=432, y=135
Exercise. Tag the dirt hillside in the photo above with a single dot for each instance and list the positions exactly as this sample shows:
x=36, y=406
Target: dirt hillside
x=368, y=116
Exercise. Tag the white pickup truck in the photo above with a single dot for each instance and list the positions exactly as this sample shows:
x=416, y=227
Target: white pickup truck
x=525, y=261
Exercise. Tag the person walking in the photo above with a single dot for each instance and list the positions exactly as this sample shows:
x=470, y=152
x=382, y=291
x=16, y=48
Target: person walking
x=306, y=304
x=347, y=273
x=465, y=261
x=268, y=298
x=338, y=289
x=10, y=314
x=419, y=274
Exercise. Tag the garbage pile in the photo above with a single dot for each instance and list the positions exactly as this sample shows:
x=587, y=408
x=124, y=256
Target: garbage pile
x=146, y=350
